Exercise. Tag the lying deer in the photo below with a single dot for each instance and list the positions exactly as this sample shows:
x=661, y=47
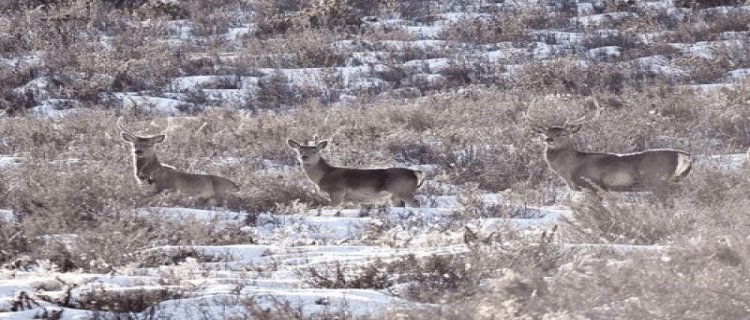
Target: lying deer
x=649, y=170
x=165, y=178
x=358, y=185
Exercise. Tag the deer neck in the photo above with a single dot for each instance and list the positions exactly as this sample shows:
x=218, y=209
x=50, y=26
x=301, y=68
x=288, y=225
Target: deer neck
x=560, y=158
x=146, y=167
x=318, y=170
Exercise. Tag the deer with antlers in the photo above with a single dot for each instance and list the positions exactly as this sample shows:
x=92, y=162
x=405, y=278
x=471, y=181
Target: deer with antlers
x=357, y=185
x=149, y=169
x=648, y=170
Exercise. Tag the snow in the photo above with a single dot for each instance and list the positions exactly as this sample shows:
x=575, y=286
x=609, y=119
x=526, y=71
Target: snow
x=505, y=55
x=233, y=97
x=221, y=281
x=556, y=36
x=658, y=64
x=39, y=88
x=711, y=87
x=8, y=161
x=56, y=108
x=708, y=49
x=597, y=20
x=218, y=219
x=236, y=33
x=425, y=32
x=225, y=280
x=428, y=65
x=316, y=77
x=737, y=75
x=153, y=105
x=200, y=82
x=30, y=59
x=604, y=53
x=543, y=51
x=358, y=303
x=724, y=162
x=8, y=216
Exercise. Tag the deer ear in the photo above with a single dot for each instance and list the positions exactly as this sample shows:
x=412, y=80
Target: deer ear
x=128, y=137
x=322, y=145
x=574, y=128
x=159, y=139
x=293, y=144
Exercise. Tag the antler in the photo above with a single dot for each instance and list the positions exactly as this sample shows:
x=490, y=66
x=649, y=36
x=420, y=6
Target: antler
x=584, y=119
x=529, y=119
x=169, y=126
x=122, y=128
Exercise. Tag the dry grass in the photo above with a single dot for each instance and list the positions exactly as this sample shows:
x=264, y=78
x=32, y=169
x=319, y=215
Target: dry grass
x=491, y=148
x=75, y=194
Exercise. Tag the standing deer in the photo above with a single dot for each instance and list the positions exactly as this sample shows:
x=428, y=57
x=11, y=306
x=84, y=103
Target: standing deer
x=357, y=185
x=648, y=170
x=148, y=169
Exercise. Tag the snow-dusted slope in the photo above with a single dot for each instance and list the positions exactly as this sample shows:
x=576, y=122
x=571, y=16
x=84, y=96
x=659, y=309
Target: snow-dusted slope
x=219, y=280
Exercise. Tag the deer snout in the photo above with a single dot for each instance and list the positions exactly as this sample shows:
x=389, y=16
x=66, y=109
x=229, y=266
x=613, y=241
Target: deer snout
x=304, y=158
x=138, y=152
x=547, y=139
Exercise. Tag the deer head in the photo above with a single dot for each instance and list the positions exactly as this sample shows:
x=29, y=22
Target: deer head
x=309, y=152
x=143, y=146
x=557, y=136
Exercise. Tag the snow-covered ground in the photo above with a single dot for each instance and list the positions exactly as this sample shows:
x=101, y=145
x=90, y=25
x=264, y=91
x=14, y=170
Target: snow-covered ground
x=198, y=282
x=424, y=62
x=220, y=282
x=214, y=280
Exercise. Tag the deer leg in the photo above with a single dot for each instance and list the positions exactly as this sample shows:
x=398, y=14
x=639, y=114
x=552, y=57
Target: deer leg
x=337, y=197
x=218, y=200
x=397, y=201
x=407, y=200
x=662, y=193
x=412, y=202
x=572, y=185
x=155, y=192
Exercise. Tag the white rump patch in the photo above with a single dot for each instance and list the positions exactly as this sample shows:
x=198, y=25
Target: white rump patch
x=684, y=161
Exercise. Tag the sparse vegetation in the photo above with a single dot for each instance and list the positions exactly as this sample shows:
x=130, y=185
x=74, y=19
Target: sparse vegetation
x=437, y=84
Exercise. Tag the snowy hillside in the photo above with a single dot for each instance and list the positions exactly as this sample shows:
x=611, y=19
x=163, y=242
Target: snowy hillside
x=440, y=86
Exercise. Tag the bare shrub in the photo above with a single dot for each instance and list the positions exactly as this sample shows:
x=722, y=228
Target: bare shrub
x=614, y=220
x=712, y=69
x=647, y=51
x=136, y=300
x=483, y=30
x=708, y=3
x=453, y=277
x=306, y=48
x=273, y=15
x=713, y=23
x=337, y=276
x=694, y=283
x=158, y=8
x=155, y=258
x=603, y=40
x=705, y=279
x=567, y=76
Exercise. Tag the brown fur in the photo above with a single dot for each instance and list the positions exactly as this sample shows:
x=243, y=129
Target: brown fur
x=646, y=170
x=164, y=178
x=358, y=185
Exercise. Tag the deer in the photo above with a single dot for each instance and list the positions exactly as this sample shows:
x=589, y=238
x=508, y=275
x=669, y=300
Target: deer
x=357, y=185
x=148, y=169
x=648, y=170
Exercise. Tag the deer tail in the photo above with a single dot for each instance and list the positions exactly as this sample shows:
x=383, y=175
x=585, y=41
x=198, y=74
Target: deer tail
x=420, y=177
x=684, y=164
